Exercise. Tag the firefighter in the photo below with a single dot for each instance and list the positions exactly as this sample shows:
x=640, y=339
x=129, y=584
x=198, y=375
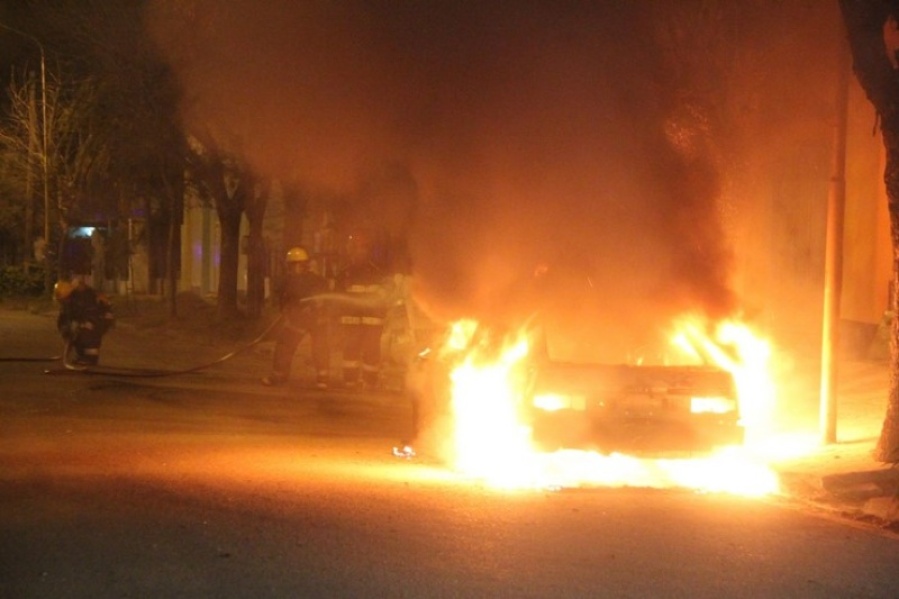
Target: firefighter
x=85, y=316
x=302, y=315
x=362, y=316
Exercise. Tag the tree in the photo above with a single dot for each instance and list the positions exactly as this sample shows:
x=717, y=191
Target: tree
x=218, y=171
x=257, y=253
x=221, y=177
x=71, y=154
x=873, y=30
x=135, y=142
x=114, y=142
x=20, y=160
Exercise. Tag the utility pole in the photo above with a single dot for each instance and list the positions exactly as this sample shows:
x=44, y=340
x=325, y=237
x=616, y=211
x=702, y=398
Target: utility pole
x=833, y=254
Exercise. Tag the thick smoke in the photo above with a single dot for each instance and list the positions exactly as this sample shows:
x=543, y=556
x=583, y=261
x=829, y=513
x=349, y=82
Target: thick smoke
x=532, y=133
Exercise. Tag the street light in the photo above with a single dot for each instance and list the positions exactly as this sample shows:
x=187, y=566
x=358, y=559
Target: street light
x=43, y=149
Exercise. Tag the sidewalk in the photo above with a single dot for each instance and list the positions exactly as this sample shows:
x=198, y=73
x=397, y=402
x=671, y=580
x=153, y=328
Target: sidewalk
x=843, y=477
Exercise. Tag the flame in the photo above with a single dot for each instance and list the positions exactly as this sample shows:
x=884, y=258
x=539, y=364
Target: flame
x=733, y=347
x=491, y=441
x=489, y=436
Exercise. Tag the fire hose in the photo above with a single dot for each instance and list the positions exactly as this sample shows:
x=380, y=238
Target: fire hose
x=22, y=359
x=68, y=367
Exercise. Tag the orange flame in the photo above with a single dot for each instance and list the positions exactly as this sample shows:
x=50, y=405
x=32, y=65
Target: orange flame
x=492, y=442
x=733, y=347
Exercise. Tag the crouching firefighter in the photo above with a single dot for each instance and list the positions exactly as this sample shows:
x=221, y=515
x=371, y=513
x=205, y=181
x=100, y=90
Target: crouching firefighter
x=302, y=314
x=85, y=316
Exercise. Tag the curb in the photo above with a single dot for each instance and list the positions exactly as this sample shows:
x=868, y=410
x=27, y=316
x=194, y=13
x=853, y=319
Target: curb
x=871, y=496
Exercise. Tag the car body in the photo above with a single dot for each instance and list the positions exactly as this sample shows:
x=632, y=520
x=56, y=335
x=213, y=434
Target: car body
x=633, y=408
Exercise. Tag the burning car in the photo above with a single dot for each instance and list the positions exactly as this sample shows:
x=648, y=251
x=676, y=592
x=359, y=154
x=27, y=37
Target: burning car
x=625, y=407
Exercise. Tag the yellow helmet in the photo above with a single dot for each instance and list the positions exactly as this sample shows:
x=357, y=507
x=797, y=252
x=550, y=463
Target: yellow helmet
x=62, y=290
x=297, y=254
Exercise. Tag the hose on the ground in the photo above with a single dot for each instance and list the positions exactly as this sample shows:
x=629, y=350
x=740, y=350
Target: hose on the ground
x=336, y=297
x=148, y=373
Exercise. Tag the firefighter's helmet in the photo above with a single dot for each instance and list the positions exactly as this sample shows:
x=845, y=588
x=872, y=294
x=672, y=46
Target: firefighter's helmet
x=297, y=254
x=62, y=290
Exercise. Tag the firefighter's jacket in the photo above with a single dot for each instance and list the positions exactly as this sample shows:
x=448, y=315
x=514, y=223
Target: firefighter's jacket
x=365, y=288
x=299, y=310
x=84, y=312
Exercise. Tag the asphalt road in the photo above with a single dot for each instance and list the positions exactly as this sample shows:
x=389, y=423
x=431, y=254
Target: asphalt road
x=209, y=486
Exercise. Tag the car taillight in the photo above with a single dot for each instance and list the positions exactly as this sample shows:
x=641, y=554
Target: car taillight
x=712, y=405
x=553, y=402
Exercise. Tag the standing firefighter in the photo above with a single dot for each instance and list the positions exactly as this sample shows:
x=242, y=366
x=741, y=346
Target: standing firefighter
x=302, y=315
x=84, y=317
x=362, y=316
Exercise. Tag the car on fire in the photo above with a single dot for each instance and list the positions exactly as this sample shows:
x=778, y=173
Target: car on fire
x=586, y=389
x=626, y=408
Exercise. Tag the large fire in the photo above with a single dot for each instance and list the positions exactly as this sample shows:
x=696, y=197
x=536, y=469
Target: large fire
x=492, y=442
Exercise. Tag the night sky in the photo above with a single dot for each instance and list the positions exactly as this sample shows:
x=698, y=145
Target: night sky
x=533, y=132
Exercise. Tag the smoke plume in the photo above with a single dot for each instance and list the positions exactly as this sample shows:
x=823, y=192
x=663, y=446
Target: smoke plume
x=535, y=135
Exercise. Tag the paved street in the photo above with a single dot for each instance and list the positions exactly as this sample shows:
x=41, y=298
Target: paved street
x=209, y=485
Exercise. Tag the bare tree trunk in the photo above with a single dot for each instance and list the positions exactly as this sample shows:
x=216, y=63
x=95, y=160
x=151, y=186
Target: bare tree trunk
x=887, y=449
x=150, y=240
x=256, y=203
x=54, y=260
x=171, y=247
x=173, y=184
x=872, y=27
x=228, y=192
x=229, y=220
x=295, y=201
x=29, y=177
